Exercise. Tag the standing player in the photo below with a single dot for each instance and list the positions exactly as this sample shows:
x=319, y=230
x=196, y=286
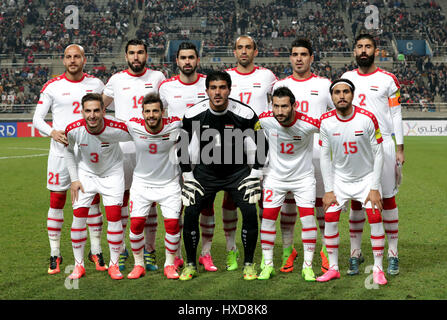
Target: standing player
x=223, y=165
x=352, y=136
x=155, y=179
x=251, y=85
x=378, y=92
x=126, y=89
x=98, y=168
x=178, y=94
x=290, y=135
x=314, y=99
x=62, y=95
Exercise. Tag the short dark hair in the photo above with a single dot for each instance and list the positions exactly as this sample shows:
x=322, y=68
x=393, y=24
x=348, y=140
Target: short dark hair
x=92, y=97
x=284, y=92
x=255, y=46
x=187, y=46
x=218, y=75
x=305, y=43
x=152, y=98
x=366, y=36
x=135, y=42
x=349, y=82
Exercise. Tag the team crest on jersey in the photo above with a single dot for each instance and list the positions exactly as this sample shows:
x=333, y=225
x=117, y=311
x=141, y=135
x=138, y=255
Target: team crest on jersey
x=358, y=133
x=229, y=126
x=165, y=137
x=296, y=137
x=314, y=92
x=105, y=145
x=256, y=85
x=201, y=95
x=374, y=88
x=148, y=85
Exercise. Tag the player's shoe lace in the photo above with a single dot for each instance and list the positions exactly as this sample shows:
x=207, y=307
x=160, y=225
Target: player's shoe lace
x=232, y=257
x=98, y=260
x=250, y=271
x=393, y=266
x=266, y=273
x=189, y=272
x=308, y=274
x=55, y=262
x=150, y=260
x=122, y=260
x=354, y=264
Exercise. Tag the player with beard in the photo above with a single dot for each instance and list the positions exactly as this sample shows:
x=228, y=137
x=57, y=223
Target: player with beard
x=124, y=93
x=62, y=95
x=351, y=164
x=378, y=91
x=313, y=99
x=290, y=135
x=251, y=85
x=178, y=94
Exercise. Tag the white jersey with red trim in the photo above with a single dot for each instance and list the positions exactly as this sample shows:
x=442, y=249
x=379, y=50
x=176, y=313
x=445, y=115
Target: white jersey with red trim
x=97, y=156
x=63, y=97
x=252, y=88
x=177, y=96
x=374, y=92
x=290, y=147
x=155, y=152
x=128, y=91
x=351, y=142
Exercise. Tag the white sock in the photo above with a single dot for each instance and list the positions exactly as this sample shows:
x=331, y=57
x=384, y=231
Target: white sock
x=55, y=221
x=137, y=245
x=94, y=222
x=115, y=240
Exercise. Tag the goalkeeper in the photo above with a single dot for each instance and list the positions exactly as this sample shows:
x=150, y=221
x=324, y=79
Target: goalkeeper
x=228, y=149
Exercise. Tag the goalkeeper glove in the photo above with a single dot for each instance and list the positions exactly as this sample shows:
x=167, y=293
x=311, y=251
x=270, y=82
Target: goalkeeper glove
x=252, y=185
x=189, y=189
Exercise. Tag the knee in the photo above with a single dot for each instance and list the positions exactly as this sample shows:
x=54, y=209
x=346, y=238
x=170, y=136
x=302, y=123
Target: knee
x=137, y=225
x=172, y=226
x=57, y=200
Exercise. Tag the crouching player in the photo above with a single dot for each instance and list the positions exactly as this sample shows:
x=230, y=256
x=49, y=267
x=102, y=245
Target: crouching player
x=289, y=134
x=353, y=136
x=98, y=168
x=156, y=179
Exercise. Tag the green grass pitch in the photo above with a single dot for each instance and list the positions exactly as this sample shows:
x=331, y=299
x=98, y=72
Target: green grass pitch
x=24, y=244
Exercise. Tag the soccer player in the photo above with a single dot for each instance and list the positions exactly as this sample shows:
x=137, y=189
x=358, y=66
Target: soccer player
x=126, y=90
x=251, y=85
x=62, y=95
x=352, y=135
x=97, y=168
x=290, y=135
x=378, y=91
x=313, y=99
x=178, y=94
x=223, y=165
x=156, y=178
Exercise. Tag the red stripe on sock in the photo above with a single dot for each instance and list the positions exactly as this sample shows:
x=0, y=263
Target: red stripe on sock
x=267, y=242
x=331, y=237
x=309, y=229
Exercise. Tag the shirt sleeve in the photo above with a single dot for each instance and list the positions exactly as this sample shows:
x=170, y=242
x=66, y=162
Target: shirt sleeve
x=42, y=108
x=108, y=89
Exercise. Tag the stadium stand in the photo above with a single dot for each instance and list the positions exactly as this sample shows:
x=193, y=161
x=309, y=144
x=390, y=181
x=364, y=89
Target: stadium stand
x=34, y=33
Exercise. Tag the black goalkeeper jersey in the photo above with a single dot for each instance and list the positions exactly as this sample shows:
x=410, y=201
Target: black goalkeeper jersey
x=219, y=141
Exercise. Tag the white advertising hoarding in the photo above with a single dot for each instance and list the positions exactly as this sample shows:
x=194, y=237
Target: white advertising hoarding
x=425, y=127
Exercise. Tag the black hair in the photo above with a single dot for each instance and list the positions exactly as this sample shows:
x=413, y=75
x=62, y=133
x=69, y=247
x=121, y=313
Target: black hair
x=284, y=92
x=218, y=75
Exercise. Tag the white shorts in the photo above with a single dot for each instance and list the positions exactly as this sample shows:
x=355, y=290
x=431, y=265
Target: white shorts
x=303, y=192
x=168, y=197
x=389, y=186
x=111, y=189
x=58, y=178
x=357, y=190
